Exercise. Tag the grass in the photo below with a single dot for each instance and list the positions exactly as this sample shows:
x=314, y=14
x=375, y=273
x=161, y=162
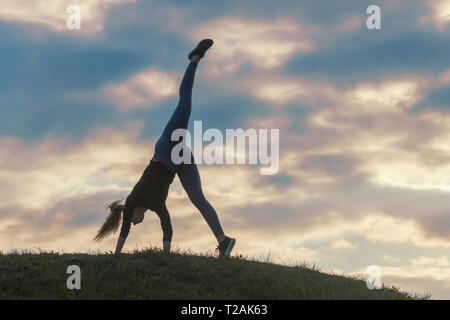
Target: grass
x=153, y=274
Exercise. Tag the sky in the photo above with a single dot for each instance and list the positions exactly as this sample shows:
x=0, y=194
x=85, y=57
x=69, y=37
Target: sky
x=364, y=175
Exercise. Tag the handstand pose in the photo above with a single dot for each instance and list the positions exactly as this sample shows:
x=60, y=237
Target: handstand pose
x=151, y=190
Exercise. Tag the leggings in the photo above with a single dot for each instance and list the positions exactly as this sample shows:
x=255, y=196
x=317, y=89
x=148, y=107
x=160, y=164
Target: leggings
x=187, y=173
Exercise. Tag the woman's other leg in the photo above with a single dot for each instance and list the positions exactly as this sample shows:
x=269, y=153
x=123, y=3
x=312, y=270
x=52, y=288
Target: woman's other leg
x=190, y=180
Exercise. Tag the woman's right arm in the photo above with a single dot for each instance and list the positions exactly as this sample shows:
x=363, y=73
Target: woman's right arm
x=120, y=243
x=126, y=225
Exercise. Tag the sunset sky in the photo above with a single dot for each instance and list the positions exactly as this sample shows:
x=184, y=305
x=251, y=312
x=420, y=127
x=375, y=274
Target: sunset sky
x=363, y=115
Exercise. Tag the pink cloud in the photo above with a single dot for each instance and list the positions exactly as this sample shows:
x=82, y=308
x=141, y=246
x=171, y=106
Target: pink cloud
x=439, y=14
x=143, y=89
x=265, y=44
x=52, y=14
x=280, y=90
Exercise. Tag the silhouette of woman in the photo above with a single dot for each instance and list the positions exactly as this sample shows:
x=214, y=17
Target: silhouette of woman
x=151, y=191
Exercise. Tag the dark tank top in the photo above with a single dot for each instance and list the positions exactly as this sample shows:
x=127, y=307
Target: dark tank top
x=149, y=192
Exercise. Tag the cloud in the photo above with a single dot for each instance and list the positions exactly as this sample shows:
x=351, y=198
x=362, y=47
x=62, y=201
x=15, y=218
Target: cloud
x=349, y=24
x=441, y=261
x=393, y=156
x=279, y=90
x=265, y=44
x=390, y=95
x=52, y=14
x=412, y=276
x=342, y=244
x=270, y=122
x=383, y=228
x=387, y=96
x=143, y=89
x=365, y=121
x=441, y=10
x=376, y=227
x=439, y=14
x=444, y=78
x=43, y=173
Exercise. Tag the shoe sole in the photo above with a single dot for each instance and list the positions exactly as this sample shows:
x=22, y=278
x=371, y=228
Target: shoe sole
x=191, y=53
x=230, y=247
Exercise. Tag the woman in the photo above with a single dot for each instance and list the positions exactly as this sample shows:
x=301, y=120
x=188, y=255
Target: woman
x=151, y=190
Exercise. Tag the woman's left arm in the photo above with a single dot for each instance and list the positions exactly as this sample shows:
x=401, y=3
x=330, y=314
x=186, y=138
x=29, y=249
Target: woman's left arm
x=166, y=226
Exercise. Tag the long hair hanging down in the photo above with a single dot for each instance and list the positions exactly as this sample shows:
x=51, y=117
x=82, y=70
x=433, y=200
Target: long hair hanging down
x=112, y=221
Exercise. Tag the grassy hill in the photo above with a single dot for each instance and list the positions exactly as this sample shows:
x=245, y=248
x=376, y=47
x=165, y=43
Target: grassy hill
x=152, y=274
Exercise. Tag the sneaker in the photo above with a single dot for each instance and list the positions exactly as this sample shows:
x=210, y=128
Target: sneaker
x=226, y=246
x=201, y=48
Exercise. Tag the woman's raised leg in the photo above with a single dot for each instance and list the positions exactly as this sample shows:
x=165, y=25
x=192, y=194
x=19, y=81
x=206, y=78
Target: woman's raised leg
x=179, y=119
